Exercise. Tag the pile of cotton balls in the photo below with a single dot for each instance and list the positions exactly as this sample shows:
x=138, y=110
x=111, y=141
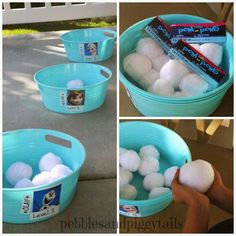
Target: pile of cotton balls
x=197, y=174
x=155, y=72
x=146, y=163
x=51, y=168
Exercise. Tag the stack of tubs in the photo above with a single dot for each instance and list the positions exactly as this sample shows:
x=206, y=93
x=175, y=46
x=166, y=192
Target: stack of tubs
x=153, y=105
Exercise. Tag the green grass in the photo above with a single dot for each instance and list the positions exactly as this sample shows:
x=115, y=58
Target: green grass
x=12, y=32
x=9, y=30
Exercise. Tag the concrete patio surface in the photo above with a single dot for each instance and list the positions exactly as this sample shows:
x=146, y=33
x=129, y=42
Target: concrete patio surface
x=23, y=108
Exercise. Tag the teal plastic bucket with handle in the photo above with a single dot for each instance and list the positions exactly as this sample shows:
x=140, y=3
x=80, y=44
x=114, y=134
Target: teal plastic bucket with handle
x=52, y=83
x=89, y=45
x=153, y=105
x=173, y=152
x=25, y=205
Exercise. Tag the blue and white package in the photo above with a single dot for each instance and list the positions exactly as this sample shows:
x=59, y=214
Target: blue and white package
x=214, y=32
x=198, y=63
x=160, y=32
x=184, y=52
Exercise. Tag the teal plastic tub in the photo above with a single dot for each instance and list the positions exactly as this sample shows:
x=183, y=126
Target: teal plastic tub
x=26, y=205
x=52, y=83
x=173, y=152
x=153, y=105
x=89, y=45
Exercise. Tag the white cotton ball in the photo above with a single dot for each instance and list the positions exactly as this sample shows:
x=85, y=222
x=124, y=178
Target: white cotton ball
x=162, y=88
x=125, y=176
x=198, y=175
x=173, y=71
x=148, y=165
x=196, y=46
x=42, y=178
x=24, y=183
x=148, y=47
x=157, y=192
x=48, y=161
x=149, y=150
x=180, y=94
x=153, y=180
x=61, y=170
x=159, y=61
x=193, y=84
x=213, y=52
x=128, y=192
x=121, y=150
x=55, y=177
x=73, y=84
x=130, y=160
x=169, y=175
x=18, y=171
x=137, y=65
x=149, y=78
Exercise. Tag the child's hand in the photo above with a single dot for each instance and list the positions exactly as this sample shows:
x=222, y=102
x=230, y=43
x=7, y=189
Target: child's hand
x=187, y=195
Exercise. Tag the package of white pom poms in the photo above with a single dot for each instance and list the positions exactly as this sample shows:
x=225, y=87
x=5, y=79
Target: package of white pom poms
x=147, y=151
x=161, y=85
x=40, y=173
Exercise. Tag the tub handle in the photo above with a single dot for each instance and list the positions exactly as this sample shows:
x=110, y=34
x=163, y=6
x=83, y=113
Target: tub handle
x=104, y=73
x=59, y=141
x=110, y=33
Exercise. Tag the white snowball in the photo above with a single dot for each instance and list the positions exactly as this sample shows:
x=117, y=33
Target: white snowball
x=180, y=94
x=137, y=65
x=159, y=191
x=213, y=52
x=48, y=161
x=42, y=179
x=149, y=150
x=18, y=171
x=149, y=78
x=162, y=88
x=56, y=176
x=193, y=84
x=24, y=183
x=121, y=150
x=61, y=170
x=169, y=175
x=198, y=175
x=148, y=165
x=159, y=62
x=130, y=160
x=73, y=84
x=153, y=180
x=128, y=192
x=125, y=176
x=196, y=46
x=173, y=71
x=148, y=47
